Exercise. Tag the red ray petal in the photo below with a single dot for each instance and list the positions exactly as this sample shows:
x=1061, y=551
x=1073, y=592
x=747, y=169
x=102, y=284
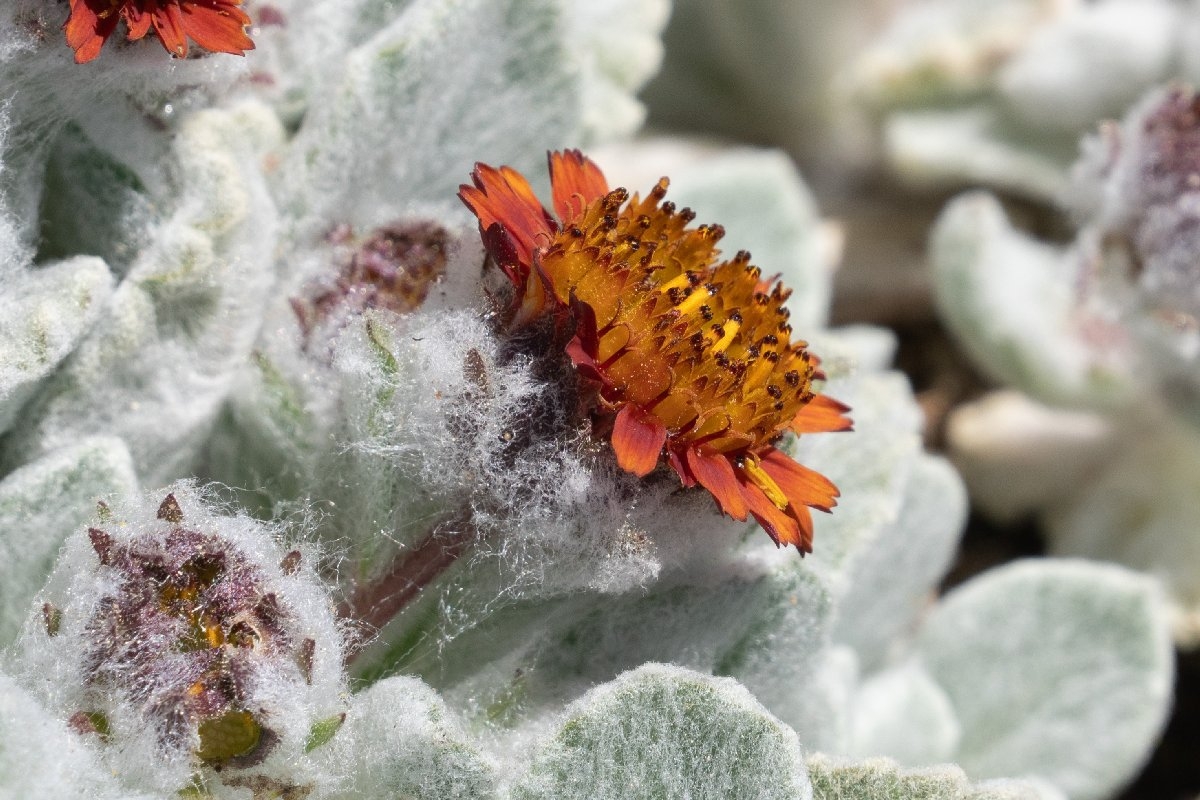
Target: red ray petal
x=138, y=22
x=217, y=26
x=168, y=24
x=638, y=439
x=576, y=181
x=86, y=31
x=503, y=195
x=793, y=526
x=801, y=485
x=715, y=473
x=822, y=414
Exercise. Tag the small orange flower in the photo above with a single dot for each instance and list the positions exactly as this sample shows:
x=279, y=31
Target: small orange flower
x=692, y=356
x=215, y=25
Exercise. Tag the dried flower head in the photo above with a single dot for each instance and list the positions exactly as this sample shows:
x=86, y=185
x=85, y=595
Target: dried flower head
x=184, y=635
x=218, y=26
x=691, y=356
x=393, y=268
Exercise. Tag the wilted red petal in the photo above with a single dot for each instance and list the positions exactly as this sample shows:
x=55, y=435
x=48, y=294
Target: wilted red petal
x=503, y=250
x=822, y=415
x=715, y=473
x=801, y=485
x=217, y=26
x=638, y=439
x=504, y=196
x=576, y=182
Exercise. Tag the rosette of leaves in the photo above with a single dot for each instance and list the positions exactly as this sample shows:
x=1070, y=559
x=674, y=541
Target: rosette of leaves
x=590, y=574
x=234, y=283
x=1100, y=338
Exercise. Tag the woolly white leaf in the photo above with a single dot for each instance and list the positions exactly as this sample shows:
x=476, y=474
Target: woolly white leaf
x=157, y=368
x=662, y=731
x=1090, y=64
x=41, y=757
x=44, y=313
x=975, y=144
x=1056, y=669
x=400, y=740
x=893, y=577
x=1009, y=299
x=882, y=779
x=946, y=49
x=447, y=83
x=41, y=504
x=617, y=44
x=902, y=714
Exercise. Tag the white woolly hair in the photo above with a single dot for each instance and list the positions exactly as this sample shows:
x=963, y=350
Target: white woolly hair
x=126, y=101
x=471, y=421
x=55, y=669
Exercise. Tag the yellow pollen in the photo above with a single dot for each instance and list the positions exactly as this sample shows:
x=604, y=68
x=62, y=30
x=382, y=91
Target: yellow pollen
x=693, y=301
x=765, y=482
x=731, y=329
x=213, y=634
x=759, y=371
x=679, y=282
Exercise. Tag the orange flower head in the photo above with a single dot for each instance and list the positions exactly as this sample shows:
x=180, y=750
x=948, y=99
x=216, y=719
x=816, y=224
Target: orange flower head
x=216, y=25
x=692, y=355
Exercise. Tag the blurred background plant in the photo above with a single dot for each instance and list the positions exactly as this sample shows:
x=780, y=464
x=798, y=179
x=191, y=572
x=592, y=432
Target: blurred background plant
x=246, y=285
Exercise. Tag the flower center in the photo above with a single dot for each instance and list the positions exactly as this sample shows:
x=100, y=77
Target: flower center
x=703, y=345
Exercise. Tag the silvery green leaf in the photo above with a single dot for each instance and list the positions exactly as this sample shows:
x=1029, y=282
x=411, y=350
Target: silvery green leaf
x=1019, y=456
x=156, y=369
x=767, y=630
x=400, y=740
x=902, y=714
x=265, y=439
x=945, y=50
x=883, y=779
x=1139, y=508
x=820, y=712
x=444, y=84
x=92, y=204
x=617, y=45
x=870, y=466
x=1010, y=300
x=975, y=144
x=893, y=577
x=662, y=731
x=44, y=502
x=1060, y=670
x=41, y=757
x=44, y=313
x=1091, y=63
